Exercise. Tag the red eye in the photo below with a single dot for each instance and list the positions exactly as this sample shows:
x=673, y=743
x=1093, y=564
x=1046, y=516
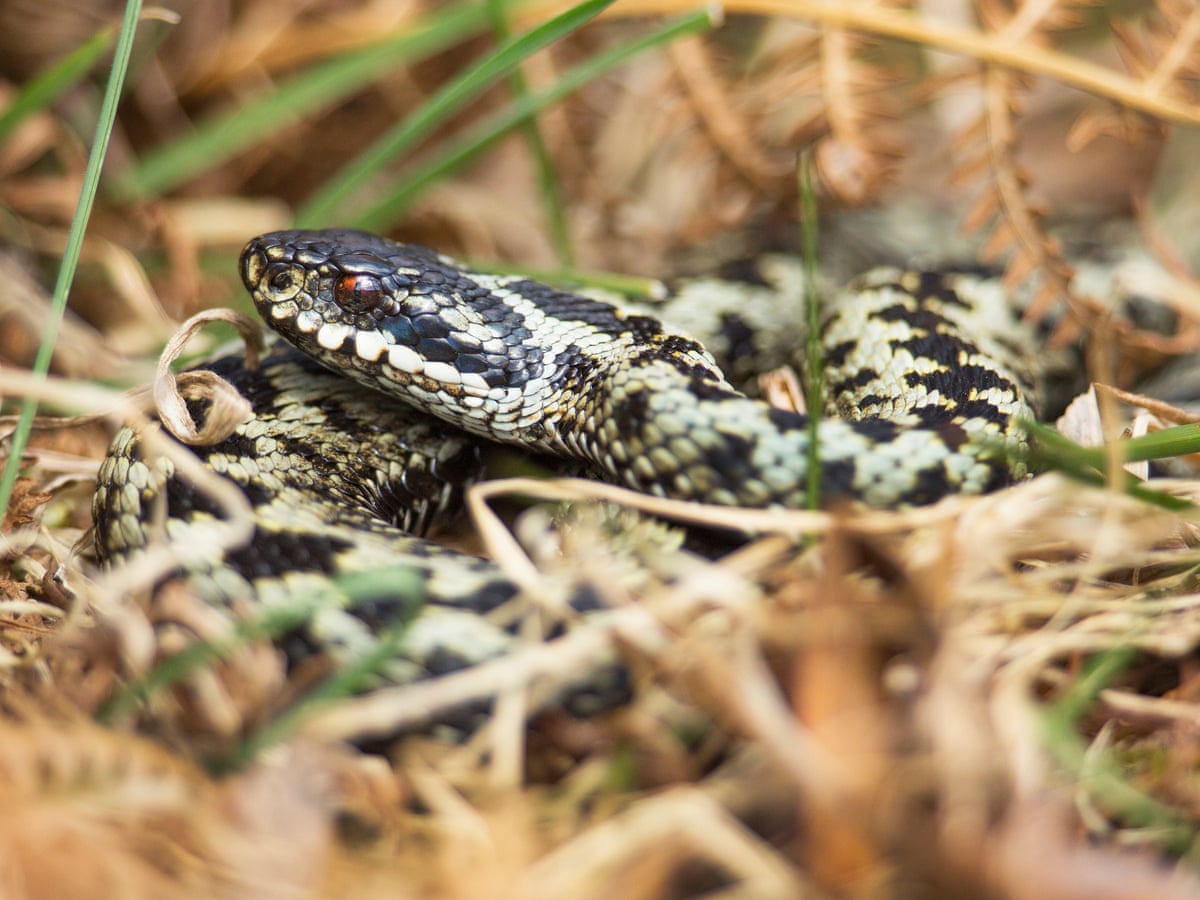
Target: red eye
x=358, y=293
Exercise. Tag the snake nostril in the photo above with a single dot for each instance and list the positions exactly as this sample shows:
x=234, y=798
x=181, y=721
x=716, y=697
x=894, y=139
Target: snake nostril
x=280, y=278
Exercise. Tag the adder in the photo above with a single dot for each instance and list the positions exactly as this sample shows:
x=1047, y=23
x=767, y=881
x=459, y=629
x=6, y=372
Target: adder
x=395, y=362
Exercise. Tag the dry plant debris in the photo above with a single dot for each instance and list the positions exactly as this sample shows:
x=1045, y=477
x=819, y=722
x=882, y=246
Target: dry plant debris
x=994, y=696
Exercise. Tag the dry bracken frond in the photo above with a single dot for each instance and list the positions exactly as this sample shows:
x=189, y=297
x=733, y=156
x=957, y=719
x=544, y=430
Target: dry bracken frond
x=988, y=146
x=859, y=154
x=1160, y=47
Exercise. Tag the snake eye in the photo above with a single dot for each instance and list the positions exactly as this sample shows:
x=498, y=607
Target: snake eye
x=358, y=293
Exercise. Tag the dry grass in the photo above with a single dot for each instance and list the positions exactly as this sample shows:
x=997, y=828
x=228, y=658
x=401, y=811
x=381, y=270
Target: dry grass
x=990, y=697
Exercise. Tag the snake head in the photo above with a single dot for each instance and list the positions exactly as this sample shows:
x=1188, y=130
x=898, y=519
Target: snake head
x=487, y=352
x=395, y=312
x=308, y=279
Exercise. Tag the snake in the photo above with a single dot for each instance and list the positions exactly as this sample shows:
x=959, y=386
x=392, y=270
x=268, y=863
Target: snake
x=395, y=366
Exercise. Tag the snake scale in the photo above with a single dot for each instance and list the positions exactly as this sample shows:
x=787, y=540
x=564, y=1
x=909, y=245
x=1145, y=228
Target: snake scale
x=396, y=361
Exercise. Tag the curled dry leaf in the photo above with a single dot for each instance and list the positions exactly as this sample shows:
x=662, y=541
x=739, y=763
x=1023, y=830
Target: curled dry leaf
x=229, y=408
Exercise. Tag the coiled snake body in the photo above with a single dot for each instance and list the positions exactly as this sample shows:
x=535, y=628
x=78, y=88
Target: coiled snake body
x=922, y=369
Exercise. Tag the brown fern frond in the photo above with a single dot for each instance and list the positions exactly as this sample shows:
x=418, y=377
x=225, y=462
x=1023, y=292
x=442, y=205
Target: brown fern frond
x=1003, y=203
x=1163, y=52
x=988, y=146
x=1033, y=19
x=1122, y=124
x=714, y=107
x=1161, y=49
x=784, y=82
x=860, y=153
x=818, y=86
x=999, y=49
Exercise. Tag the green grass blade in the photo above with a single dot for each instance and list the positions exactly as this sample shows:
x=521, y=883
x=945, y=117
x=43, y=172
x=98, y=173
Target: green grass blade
x=632, y=286
x=272, y=623
x=813, y=359
x=66, y=269
x=231, y=131
x=1098, y=674
x=548, y=186
x=1102, y=778
x=328, y=204
x=47, y=86
x=345, y=682
x=1177, y=441
x=446, y=158
x=1050, y=450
